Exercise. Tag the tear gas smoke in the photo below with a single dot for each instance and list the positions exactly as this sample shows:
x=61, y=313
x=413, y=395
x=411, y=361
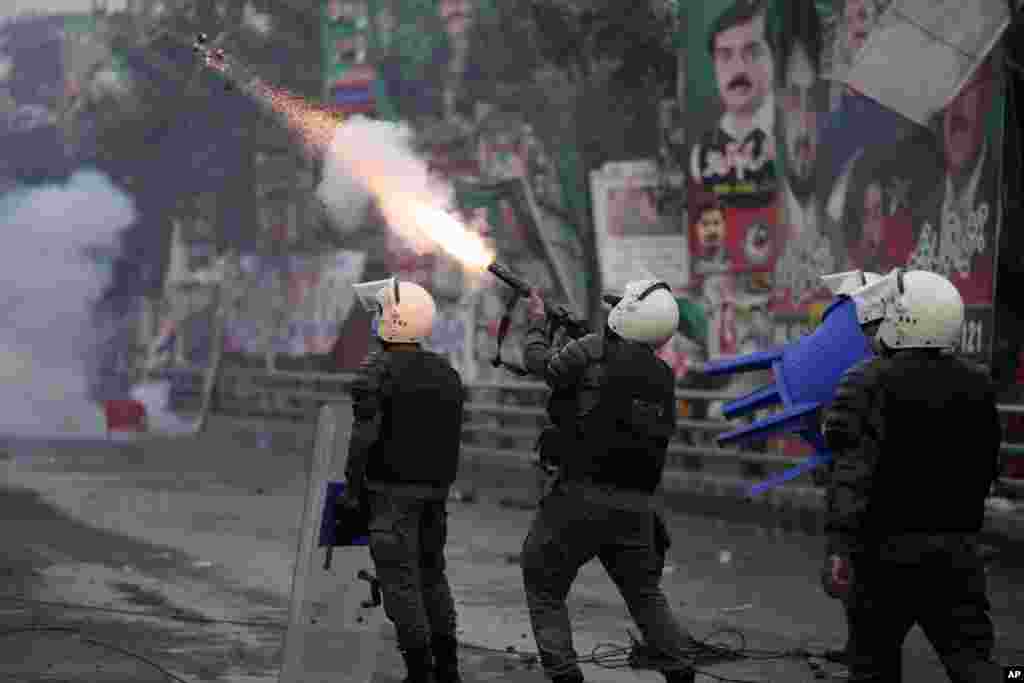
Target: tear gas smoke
x=50, y=285
x=364, y=160
x=370, y=159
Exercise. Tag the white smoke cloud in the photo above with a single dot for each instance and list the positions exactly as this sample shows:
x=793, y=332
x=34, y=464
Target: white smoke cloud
x=49, y=286
x=160, y=419
x=367, y=156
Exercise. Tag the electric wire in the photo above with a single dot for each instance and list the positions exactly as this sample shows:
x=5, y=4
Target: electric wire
x=77, y=634
x=604, y=655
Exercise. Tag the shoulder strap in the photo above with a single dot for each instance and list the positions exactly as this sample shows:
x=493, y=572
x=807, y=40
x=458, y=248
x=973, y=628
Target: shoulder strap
x=503, y=325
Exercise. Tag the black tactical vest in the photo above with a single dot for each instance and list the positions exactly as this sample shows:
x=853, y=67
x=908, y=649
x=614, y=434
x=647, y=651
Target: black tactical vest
x=421, y=430
x=935, y=420
x=624, y=437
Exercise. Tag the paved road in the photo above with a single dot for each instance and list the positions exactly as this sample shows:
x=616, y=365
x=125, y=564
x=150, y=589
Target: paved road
x=209, y=528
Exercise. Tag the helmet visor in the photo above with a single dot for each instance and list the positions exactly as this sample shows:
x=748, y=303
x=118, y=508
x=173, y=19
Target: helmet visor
x=368, y=292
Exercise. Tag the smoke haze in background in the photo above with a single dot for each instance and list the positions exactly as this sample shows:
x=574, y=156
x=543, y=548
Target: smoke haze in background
x=50, y=287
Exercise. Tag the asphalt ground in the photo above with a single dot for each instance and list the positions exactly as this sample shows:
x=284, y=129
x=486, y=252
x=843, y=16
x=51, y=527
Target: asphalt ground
x=183, y=533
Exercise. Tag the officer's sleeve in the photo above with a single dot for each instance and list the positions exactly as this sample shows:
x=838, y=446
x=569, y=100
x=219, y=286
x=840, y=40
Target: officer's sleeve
x=854, y=440
x=367, y=393
x=990, y=427
x=994, y=430
x=564, y=368
x=671, y=408
x=536, y=350
x=844, y=419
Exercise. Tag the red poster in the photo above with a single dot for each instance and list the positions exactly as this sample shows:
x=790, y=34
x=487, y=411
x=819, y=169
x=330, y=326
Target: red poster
x=732, y=239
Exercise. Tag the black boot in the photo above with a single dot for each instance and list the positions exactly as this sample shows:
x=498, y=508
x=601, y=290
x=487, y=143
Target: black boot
x=839, y=656
x=681, y=675
x=419, y=663
x=446, y=659
x=567, y=678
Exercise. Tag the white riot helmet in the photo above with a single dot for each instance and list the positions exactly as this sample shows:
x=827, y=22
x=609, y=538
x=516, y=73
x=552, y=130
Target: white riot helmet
x=646, y=312
x=406, y=310
x=926, y=313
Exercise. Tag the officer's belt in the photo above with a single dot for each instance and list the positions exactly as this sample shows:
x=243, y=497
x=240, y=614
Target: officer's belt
x=610, y=496
x=420, y=491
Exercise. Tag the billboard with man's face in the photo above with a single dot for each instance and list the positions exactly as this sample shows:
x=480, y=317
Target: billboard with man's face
x=732, y=178
x=852, y=183
x=730, y=72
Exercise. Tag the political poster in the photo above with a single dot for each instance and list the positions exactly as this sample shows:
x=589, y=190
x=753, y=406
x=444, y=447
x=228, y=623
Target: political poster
x=730, y=103
x=734, y=226
x=860, y=176
x=921, y=187
x=634, y=239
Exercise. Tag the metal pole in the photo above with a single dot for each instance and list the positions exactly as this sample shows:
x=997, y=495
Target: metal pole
x=216, y=354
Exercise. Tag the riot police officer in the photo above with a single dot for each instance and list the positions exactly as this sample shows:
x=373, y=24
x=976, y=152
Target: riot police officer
x=915, y=436
x=402, y=393
x=613, y=444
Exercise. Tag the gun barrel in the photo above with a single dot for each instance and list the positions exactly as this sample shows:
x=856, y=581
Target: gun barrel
x=509, y=278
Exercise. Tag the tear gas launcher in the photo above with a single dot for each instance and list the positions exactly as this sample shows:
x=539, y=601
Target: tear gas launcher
x=559, y=317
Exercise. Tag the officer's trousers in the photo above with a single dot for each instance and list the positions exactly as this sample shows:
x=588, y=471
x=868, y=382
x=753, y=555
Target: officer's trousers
x=571, y=528
x=407, y=539
x=935, y=581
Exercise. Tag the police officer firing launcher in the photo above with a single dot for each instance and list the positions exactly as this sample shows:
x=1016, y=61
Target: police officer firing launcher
x=610, y=451
x=915, y=436
x=402, y=393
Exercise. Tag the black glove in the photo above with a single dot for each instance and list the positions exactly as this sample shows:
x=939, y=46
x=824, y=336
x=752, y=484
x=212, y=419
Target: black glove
x=351, y=517
x=350, y=500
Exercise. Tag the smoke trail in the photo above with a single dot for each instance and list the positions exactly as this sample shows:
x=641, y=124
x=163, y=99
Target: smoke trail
x=370, y=159
x=346, y=198
x=50, y=285
x=363, y=151
x=363, y=160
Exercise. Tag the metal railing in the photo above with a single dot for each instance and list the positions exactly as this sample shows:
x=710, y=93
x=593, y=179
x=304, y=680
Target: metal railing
x=503, y=418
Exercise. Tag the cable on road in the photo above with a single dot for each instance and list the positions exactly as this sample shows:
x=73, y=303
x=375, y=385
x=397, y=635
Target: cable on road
x=77, y=634
x=604, y=655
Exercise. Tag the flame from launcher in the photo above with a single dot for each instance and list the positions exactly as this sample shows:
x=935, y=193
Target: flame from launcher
x=377, y=156
x=380, y=161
